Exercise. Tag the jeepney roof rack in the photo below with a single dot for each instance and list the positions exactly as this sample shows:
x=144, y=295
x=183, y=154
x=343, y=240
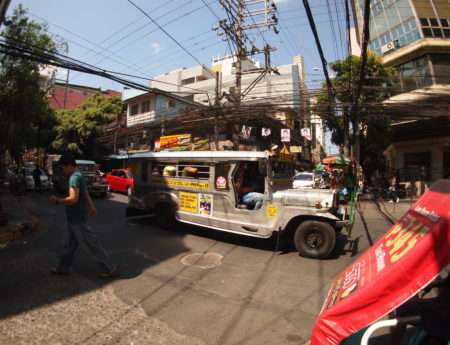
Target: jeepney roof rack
x=201, y=154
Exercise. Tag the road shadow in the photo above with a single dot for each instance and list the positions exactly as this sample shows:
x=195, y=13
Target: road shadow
x=25, y=267
x=281, y=242
x=183, y=229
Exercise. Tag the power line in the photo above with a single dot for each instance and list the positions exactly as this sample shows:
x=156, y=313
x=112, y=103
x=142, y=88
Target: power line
x=165, y=32
x=319, y=47
x=332, y=31
x=60, y=60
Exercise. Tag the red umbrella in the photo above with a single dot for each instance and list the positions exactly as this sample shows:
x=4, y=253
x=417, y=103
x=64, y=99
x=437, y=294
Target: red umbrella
x=406, y=259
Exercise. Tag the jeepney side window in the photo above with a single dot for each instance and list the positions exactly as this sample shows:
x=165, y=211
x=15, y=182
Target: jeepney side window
x=222, y=171
x=144, y=171
x=197, y=171
x=163, y=169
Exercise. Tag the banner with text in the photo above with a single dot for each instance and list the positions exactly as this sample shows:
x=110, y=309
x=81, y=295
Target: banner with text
x=403, y=261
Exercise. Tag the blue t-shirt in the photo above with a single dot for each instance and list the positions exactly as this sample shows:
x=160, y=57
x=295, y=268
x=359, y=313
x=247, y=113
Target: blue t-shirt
x=77, y=213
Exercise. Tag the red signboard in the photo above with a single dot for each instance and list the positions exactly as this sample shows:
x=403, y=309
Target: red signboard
x=404, y=260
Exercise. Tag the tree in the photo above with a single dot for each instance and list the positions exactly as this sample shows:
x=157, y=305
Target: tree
x=78, y=128
x=25, y=116
x=374, y=125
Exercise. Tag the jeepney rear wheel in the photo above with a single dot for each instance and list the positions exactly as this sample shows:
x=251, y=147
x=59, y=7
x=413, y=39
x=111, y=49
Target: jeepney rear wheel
x=315, y=239
x=165, y=216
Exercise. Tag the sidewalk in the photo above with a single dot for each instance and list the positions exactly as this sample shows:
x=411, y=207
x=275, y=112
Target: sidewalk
x=23, y=217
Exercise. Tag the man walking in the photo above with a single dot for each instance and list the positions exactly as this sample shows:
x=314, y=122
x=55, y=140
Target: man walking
x=78, y=206
x=37, y=178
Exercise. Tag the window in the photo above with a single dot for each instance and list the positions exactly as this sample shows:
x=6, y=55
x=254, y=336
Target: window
x=171, y=103
x=433, y=22
x=145, y=106
x=415, y=74
x=427, y=32
x=424, y=21
x=134, y=109
x=188, y=81
x=437, y=32
x=447, y=33
x=304, y=177
x=432, y=28
x=144, y=171
x=118, y=173
x=441, y=66
x=193, y=170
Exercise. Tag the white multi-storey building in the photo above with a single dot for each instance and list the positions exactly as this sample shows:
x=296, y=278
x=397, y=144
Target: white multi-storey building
x=283, y=88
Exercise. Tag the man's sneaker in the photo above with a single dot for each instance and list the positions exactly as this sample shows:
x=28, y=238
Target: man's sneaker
x=106, y=275
x=391, y=201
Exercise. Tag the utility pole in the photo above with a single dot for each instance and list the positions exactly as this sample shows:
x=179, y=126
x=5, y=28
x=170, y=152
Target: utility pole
x=262, y=13
x=217, y=98
x=3, y=8
x=240, y=52
x=362, y=74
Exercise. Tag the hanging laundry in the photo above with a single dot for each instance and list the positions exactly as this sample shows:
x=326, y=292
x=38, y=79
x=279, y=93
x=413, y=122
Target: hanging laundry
x=246, y=132
x=285, y=135
x=265, y=132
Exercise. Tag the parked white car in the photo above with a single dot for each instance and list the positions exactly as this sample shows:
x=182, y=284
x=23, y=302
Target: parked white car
x=303, y=180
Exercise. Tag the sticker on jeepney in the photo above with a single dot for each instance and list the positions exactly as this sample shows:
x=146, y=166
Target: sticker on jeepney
x=221, y=182
x=188, y=202
x=271, y=211
x=205, y=204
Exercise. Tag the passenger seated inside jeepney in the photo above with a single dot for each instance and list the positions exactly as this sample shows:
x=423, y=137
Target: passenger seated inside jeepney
x=190, y=172
x=250, y=186
x=169, y=171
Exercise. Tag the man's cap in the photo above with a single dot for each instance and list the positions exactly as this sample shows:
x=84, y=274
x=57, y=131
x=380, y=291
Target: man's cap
x=67, y=159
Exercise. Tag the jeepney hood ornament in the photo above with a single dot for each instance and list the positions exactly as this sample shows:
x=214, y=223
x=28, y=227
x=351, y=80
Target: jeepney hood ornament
x=306, y=197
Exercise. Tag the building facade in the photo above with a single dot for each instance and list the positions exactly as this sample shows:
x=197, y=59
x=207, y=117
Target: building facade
x=145, y=118
x=413, y=36
x=200, y=82
x=276, y=98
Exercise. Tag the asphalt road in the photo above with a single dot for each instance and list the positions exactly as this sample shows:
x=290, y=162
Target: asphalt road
x=188, y=286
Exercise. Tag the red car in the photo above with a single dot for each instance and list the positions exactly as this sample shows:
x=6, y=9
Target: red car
x=120, y=180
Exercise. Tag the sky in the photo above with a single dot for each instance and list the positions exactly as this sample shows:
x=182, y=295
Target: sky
x=114, y=35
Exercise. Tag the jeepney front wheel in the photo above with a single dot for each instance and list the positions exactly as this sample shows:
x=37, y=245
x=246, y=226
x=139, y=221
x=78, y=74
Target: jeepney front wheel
x=315, y=239
x=165, y=216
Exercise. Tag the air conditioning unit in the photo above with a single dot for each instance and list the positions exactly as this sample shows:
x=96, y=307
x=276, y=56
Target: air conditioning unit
x=389, y=46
